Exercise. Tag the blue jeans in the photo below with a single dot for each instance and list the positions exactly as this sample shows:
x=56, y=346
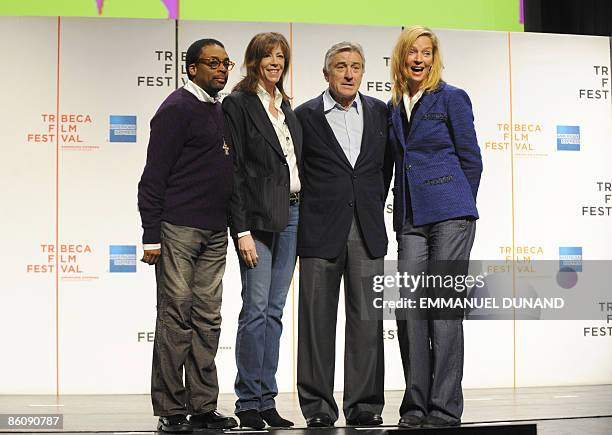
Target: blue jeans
x=264, y=292
x=432, y=349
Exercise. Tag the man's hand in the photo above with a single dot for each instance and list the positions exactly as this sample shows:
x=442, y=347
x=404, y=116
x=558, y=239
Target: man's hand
x=151, y=256
x=248, y=252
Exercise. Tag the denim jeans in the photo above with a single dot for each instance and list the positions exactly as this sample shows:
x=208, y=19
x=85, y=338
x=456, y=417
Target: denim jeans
x=432, y=348
x=264, y=292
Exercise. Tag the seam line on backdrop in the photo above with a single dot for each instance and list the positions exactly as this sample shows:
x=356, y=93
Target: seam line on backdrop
x=293, y=362
x=512, y=197
x=57, y=121
x=292, y=57
x=176, y=64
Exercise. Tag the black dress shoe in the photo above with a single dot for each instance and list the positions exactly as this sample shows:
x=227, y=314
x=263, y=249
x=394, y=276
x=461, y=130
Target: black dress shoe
x=250, y=418
x=434, y=421
x=319, y=420
x=212, y=420
x=411, y=420
x=273, y=419
x=365, y=418
x=174, y=424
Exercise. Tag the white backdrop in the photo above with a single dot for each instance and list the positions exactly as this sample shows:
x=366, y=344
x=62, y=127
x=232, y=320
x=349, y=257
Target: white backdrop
x=88, y=329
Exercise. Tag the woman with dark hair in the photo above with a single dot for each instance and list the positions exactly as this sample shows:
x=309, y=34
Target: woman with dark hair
x=437, y=174
x=267, y=140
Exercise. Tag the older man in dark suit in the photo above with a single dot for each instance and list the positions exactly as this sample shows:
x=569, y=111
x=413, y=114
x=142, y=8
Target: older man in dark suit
x=345, y=178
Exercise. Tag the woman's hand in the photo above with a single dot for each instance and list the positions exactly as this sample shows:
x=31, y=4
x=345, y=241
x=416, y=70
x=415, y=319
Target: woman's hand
x=248, y=252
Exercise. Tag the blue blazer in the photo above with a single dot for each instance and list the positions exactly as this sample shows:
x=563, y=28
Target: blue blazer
x=439, y=161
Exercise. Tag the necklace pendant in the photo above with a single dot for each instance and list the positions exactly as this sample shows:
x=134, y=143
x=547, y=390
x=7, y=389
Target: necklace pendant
x=226, y=148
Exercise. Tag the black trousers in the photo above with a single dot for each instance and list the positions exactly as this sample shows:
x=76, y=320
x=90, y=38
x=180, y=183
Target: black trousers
x=363, y=350
x=189, y=276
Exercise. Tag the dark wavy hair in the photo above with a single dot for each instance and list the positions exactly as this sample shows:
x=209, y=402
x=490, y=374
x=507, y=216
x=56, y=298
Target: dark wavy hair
x=261, y=45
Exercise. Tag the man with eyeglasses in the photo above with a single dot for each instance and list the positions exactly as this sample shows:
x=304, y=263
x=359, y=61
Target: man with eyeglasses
x=183, y=198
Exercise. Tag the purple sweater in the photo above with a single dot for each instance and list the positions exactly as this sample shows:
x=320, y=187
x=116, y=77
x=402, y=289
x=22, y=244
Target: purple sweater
x=187, y=179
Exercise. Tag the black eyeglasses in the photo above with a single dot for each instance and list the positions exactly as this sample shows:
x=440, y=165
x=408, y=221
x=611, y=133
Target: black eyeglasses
x=213, y=63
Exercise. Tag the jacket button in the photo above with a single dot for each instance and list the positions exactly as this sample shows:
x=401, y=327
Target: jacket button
x=350, y=203
x=354, y=177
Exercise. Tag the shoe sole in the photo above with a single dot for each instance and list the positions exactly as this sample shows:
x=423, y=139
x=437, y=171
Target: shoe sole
x=369, y=423
x=320, y=425
x=431, y=426
x=173, y=429
x=217, y=426
x=280, y=427
x=409, y=425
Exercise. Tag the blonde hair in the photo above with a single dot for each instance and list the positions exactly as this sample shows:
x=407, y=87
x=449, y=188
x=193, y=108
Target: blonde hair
x=399, y=69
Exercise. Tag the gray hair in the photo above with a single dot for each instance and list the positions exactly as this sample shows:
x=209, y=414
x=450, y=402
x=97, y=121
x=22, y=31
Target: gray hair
x=340, y=47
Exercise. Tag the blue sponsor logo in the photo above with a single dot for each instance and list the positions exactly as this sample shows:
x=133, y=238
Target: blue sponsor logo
x=122, y=258
x=568, y=138
x=570, y=258
x=122, y=128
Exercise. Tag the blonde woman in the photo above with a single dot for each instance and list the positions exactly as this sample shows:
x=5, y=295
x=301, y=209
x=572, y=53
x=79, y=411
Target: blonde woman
x=437, y=173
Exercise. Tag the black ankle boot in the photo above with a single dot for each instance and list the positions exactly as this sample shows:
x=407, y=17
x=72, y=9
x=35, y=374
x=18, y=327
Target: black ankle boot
x=271, y=417
x=250, y=418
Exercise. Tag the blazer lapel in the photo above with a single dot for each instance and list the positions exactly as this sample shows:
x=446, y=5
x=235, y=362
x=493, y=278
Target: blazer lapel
x=324, y=131
x=396, y=120
x=292, y=123
x=427, y=100
x=261, y=121
x=368, y=129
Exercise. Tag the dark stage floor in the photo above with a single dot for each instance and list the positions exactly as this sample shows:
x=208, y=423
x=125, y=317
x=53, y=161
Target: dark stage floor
x=553, y=410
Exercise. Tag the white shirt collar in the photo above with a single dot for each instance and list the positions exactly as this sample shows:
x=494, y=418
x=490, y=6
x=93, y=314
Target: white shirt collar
x=264, y=96
x=200, y=93
x=409, y=103
x=329, y=102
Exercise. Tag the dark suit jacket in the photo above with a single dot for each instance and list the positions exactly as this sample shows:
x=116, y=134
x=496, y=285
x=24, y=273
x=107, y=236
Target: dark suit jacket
x=260, y=200
x=333, y=191
x=438, y=160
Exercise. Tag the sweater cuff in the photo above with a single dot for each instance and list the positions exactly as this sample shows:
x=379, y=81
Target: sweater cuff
x=151, y=235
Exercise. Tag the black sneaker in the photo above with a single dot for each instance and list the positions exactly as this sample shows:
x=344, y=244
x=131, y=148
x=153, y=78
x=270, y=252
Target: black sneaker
x=174, y=424
x=212, y=420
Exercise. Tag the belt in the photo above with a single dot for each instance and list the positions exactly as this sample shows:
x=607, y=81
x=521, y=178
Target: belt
x=294, y=198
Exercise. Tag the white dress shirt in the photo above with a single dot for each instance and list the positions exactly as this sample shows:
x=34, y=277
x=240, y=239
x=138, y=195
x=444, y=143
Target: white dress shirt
x=347, y=124
x=284, y=137
x=409, y=103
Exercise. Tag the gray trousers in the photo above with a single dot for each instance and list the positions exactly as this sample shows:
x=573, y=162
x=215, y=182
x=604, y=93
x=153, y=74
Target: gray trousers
x=189, y=276
x=363, y=348
x=431, y=344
